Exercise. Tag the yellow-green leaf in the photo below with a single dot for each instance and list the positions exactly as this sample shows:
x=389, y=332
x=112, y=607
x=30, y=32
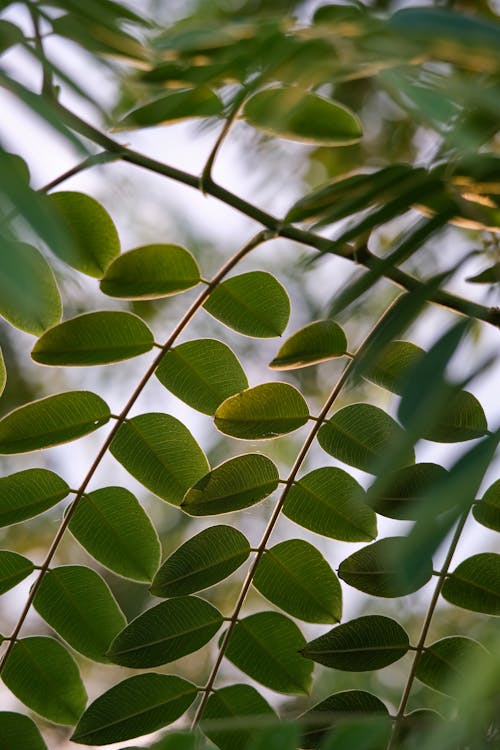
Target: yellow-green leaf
x=487, y=511
x=175, y=106
x=27, y=493
x=475, y=584
x=316, y=342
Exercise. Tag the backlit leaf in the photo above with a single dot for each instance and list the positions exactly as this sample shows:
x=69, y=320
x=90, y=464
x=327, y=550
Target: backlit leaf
x=94, y=338
x=375, y=570
x=360, y=435
x=369, y=642
x=403, y=490
x=77, y=603
x=150, y=272
x=316, y=342
x=489, y=275
x=3, y=374
x=95, y=242
x=202, y=373
x=232, y=714
x=390, y=368
x=166, y=632
x=252, y=303
x=487, y=511
x=113, y=527
x=27, y=493
x=266, y=646
x=51, y=421
x=233, y=485
x=299, y=115
x=60, y=700
x=462, y=418
x=160, y=452
x=205, y=559
x=19, y=732
x=297, y=578
x=175, y=106
x=13, y=569
x=262, y=412
x=448, y=663
x=29, y=298
x=330, y=502
x=138, y=705
x=9, y=35
x=282, y=736
x=475, y=584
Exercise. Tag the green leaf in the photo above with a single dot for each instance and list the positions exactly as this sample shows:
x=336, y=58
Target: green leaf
x=29, y=298
x=27, y=493
x=13, y=569
x=335, y=712
x=390, y=368
x=113, y=527
x=489, y=275
x=487, y=511
x=205, y=559
x=166, y=632
x=232, y=714
x=265, y=646
x=51, y=421
x=138, y=705
x=176, y=741
x=175, y=106
x=298, y=115
x=3, y=374
x=297, y=578
x=94, y=239
x=150, y=272
x=19, y=732
x=252, y=303
x=448, y=663
x=160, y=452
x=265, y=411
x=316, y=342
x=369, y=642
x=202, y=373
x=475, y=584
x=360, y=435
x=330, y=502
x=233, y=485
x=60, y=700
x=461, y=418
x=9, y=35
x=375, y=570
x=403, y=491
x=282, y=736
x=77, y=603
x=95, y=338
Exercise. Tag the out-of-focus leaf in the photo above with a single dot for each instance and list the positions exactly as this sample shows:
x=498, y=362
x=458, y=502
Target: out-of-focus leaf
x=13, y=569
x=27, y=493
x=51, y=421
x=404, y=490
x=316, y=342
x=3, y=374
x=389, y=370
x=202, y=373
x=232, y=714
x=262, y=412
x=10, y=34
x=106, y=12
x=60, y=700
x=282, y=736
x=447, y=663
x=205, y=559
x=475, y=584
x=99, y=39
x=19, y=732
x=178, y=105
x=236, y=484
x=489, y=275
x=330, y=502
x=487, y=512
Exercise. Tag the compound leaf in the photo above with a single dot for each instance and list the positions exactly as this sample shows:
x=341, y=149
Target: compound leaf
x=316, y=342
x=487, y=511
x=231, y=715
x=475, y=584
x=14, y=568
x=19, y=732
x=27, y=493
x=448, y=663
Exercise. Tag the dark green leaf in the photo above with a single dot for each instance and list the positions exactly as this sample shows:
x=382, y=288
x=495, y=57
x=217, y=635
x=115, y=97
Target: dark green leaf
x=236, y=484
x=369, y=642
x=282, y=736
x=232, y=714
x=27, y=493
x=490, y=275
x=403, y=491
x=202, y=373
x=176, y=741
x=114, y=528
x=9, y=35
x=95, y=338
x=296, y=577
x=330, y=502
x=99, y=39
x=150, y=272
x=390, y=368
x=461, y=418
x=263, y=412
x=298, y=115
x=13, y=569
x=475, y=584
x=252, y=303
x=136, y=706
x=487, y=512
x=266, y=646
x=19, y=732
x=205, y=559
x=166, y=632
x=29, y=298
x=51, y=421
x=360, y=435
x=376, y=570
x=448, y=663
x=175, y=106
x=60, y=700
x=160, y=452
x=316, y=342
x=94, y=239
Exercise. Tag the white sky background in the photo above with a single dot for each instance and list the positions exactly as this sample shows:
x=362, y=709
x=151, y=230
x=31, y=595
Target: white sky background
x=184, y=146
